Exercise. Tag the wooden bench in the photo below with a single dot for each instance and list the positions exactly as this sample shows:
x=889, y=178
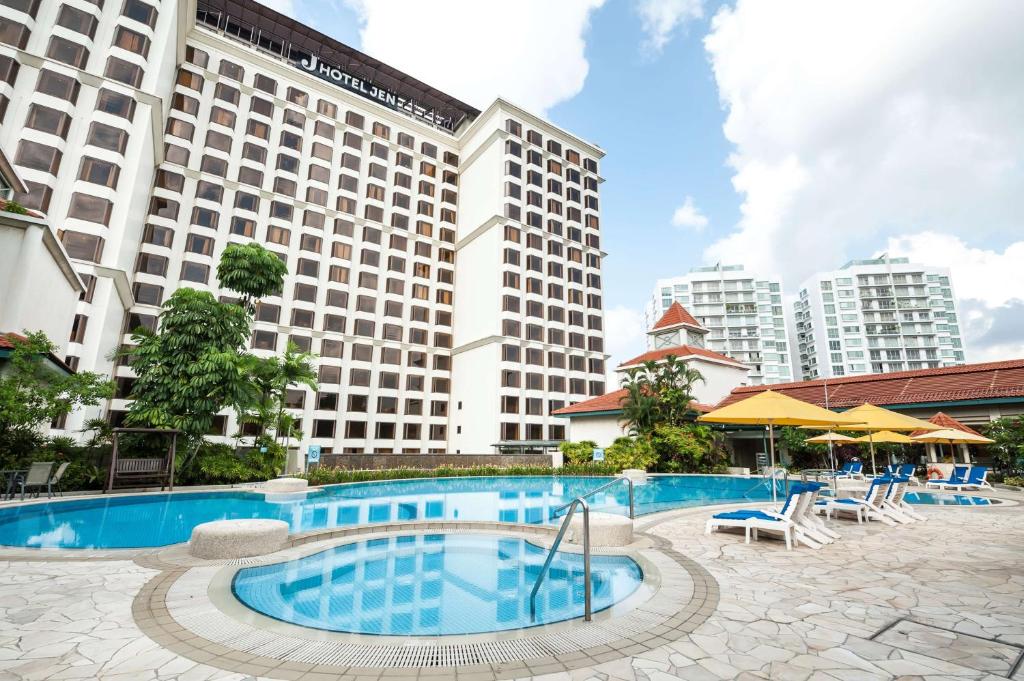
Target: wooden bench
x=141, y=468
x=154, y=468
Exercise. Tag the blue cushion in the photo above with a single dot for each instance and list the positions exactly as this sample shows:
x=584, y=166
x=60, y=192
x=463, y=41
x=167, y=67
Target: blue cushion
x=744, y=515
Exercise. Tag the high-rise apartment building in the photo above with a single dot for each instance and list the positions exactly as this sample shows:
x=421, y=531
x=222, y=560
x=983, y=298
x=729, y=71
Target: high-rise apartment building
x=743, y=313
x=877, y=316
x=443, y=262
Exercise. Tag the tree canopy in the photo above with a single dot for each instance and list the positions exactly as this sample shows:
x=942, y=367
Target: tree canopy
x=659, y=393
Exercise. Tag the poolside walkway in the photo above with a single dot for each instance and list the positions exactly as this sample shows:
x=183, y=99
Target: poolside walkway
x=937, y=600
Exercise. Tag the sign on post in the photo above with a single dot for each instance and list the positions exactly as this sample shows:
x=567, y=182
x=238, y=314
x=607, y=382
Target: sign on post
x=313, y=454
x=598, y=454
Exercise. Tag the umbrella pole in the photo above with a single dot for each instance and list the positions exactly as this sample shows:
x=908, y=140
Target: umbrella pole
x=771, y=447
x=871, y=444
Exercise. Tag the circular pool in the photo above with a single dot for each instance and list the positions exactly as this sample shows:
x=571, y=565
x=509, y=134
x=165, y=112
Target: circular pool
x=148, y=520
x=432, y=585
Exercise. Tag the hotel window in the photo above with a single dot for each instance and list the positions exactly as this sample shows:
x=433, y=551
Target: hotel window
x=226, y=93
x=261, y=106
x=132, y=41
x=147, y=294
x=203, y=245
x=116, y=104
x=82, y=246
x=194, y=271
x=67, y=52
x=139, y=11
x=327, y=109
x=148, y=263
x=77, y=21
x=98, y=172
x=58, y=85
x=124, y=72
x=157, y=235
x=185, y=104
x=90, y=208
x=14, y=34
x=294, y=118
x=48, y=120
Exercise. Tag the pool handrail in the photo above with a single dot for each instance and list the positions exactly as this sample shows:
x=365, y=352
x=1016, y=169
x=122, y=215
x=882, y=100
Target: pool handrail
x=628, y=480
x=578, y=501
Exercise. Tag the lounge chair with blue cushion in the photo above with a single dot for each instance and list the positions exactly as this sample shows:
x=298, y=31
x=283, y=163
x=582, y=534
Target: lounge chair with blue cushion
x=813, y=525
x=891, y=501
x=973, y=481
x=850, y=470
x=871, y=507
x=783, y=521
x=898, y=504
x=958, y=478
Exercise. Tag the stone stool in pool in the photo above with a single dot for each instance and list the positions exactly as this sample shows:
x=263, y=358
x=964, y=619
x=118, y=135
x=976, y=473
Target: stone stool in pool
x=606, y=529
x=285, y=485
x=225, y=539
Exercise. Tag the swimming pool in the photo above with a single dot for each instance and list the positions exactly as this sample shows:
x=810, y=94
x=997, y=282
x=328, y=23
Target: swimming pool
x=940, y=499
x=432, y=585
x=138, y=521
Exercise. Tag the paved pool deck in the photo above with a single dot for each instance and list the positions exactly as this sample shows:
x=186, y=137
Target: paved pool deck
x=942, y=599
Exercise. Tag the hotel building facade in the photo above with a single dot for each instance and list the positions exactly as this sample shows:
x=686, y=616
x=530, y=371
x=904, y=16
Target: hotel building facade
x=743, y=313
x=877, y=316
x=443, y=262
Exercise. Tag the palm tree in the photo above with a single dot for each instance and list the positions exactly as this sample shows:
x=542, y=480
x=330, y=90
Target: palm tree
x=295, y=368
x=658, y=393
x=639, y=405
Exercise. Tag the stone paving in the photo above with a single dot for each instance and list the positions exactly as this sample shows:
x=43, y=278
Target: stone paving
x=942, y=599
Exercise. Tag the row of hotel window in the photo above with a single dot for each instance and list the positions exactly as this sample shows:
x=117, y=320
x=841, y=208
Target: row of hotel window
x=75, y=54
x=293, y=95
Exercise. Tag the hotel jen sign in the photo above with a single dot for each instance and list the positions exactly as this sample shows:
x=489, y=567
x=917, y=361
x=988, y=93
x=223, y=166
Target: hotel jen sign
x=360, y=86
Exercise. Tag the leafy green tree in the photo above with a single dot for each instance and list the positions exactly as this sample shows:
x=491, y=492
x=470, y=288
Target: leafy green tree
x=1008, y=448
x=628, y=452
x=272, y=377
x=195, y=364
x=251, y=271
x=33, y=393
x=659, y=393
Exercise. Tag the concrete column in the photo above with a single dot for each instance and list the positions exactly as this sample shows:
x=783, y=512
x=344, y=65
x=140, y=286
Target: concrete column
x=966, y=451
x=930, y=448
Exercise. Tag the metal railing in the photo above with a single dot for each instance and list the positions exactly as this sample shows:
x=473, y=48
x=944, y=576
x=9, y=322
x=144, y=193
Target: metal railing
x=768, y=478
x=578, y=501
x=632, y=511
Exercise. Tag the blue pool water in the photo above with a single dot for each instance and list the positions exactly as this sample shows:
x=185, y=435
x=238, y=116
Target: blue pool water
x=431, y=585
x=160, y=519
x=939, y=499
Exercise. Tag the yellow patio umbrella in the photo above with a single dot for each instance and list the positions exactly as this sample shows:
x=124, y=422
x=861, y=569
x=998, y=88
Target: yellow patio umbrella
x=952, y=436
x=771, y=409
x=830, y=437
x=876, y=419
x=886, y=436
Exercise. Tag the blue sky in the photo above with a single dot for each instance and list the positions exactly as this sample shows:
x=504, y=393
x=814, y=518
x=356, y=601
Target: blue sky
x=803, y=133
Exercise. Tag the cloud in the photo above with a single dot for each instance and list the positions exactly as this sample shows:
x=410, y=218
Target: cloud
x=689, y=216
x=660, y=19
x=625, y=337
x=989, y=284
x=530, y=52
x=855, y=122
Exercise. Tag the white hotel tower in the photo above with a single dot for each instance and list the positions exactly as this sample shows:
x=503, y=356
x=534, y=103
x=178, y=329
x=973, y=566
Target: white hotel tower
x=444, y=262
x=743, y=313
x=877, y=316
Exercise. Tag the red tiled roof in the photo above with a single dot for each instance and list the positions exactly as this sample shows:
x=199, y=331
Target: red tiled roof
x=946, y=421
x=5, y=341
x=948, y=384
x=674, y=315
x=682, y=351
x=610, y=402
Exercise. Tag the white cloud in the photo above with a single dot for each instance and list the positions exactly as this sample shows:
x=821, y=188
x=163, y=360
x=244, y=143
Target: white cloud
x=989, y=284
x=625, y=337
x=530, y=52
x=660, y=19
x=689, y=216
x=854, y=122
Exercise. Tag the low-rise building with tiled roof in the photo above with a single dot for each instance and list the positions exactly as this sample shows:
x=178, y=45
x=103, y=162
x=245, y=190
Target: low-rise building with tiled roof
x=676, y=334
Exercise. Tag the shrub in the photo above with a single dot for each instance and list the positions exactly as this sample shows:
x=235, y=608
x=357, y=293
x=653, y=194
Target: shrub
x=1014, y=481
x=627, y=452
x=333, y=476
x=688, y=449
x=578, y=452
x=16, y=208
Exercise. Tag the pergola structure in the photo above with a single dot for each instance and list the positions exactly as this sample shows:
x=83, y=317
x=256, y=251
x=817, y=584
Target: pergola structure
x=148, y=468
